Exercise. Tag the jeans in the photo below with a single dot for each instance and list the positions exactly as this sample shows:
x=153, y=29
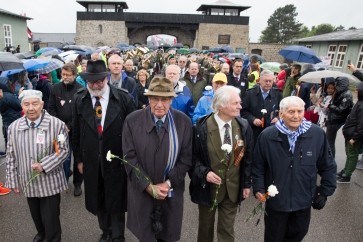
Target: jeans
x=331, y=135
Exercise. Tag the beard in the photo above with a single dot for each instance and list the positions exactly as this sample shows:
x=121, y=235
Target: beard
x=97, y=92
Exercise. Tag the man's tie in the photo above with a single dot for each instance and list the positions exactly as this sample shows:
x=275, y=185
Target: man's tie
x=32, y=125
x=264, y=95
x=227, y=140
x=159, y=123
x=98, y=115
x=236, y=79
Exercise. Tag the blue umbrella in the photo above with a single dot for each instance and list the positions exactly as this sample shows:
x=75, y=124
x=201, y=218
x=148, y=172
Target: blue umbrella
x=300, y=54
x=33, y=64
x=227, y=48
x=10, y=72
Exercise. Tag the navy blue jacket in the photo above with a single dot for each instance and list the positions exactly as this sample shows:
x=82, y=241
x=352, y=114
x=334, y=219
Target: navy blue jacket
x=293, y=174
x=10, y=107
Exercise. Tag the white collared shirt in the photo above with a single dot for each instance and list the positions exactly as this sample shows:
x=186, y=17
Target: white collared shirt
x=36, y=122
x=104, y=103
x=222, y=129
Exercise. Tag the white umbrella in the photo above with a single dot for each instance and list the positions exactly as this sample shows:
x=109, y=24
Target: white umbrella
x=315, y=76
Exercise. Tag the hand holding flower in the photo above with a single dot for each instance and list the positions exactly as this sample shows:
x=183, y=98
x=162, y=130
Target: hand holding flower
x=37, y=167
x=213, y=178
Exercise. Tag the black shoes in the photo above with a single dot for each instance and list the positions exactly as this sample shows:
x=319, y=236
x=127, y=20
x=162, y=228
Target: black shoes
x=39, y=238
x=77, y=191
x=105, y=237
x=343, y=179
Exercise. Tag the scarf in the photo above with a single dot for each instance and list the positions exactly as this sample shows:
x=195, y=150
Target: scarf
x=293, y=135
x=173, y=146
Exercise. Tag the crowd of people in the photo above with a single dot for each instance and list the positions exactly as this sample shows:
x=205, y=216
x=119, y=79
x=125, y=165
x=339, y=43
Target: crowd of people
x=137, y=124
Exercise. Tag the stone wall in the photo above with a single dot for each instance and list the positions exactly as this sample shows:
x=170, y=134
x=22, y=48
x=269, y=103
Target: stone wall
x=269, y=51
x=207, y=35
x=99, y=33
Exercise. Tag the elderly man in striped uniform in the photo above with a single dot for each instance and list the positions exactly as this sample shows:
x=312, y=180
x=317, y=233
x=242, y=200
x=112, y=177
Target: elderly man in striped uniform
x=36, y=150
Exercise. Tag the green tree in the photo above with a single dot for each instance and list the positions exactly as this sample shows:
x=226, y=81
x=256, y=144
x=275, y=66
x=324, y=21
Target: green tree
x=282, y=26
x=322, y=29
x=350, y=28
x=304, y=32
x=340, y=27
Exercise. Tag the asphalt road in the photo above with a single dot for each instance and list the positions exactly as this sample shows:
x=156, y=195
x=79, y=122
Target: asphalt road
x=340, y=220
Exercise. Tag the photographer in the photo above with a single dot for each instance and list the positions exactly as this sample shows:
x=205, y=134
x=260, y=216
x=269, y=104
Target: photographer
x=358, y=74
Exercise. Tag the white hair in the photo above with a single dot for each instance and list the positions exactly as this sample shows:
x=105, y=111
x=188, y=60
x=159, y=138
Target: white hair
x=290, y=101
x=222, y=97
x=266, y=72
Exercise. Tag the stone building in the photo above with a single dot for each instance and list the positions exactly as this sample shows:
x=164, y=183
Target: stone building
x=106, y=23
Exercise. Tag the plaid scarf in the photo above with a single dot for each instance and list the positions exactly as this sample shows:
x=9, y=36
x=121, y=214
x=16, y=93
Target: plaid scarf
x=293, y=135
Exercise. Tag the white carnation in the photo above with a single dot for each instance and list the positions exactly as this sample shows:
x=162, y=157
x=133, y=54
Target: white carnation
x=227, y=148
x=109, y=156
x=272, y=191
x=264, y=111
x=61, y=138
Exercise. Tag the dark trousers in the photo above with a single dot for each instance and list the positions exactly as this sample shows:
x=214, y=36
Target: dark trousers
x=286, y=226
x=331, y=135
x=227, y=211
x=45, y=212
x=110, y=223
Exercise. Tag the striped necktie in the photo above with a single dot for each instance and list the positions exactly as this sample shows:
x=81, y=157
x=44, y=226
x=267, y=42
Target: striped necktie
x=159, y=123
x=227, y=140
x=98, y=115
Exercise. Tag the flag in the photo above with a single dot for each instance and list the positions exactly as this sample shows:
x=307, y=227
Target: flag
x=29, y=33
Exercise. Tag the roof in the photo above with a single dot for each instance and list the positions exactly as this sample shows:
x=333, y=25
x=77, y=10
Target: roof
x=54, y=37
x=3, y=11
x=84, y=3
x=222, y=4
x=342, y=35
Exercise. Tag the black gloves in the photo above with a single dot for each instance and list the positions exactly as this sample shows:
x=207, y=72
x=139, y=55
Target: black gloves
x=319, y=199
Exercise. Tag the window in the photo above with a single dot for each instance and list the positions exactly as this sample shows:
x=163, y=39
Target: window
x=7, y=35
x=94, y=8
x=340, y=55
x=231, y=12
x=108, y=8
x=217, y=11
x=331, y=53
x=360, y=58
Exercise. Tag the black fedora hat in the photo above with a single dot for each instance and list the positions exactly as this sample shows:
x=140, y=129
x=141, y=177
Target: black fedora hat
x=96, y=70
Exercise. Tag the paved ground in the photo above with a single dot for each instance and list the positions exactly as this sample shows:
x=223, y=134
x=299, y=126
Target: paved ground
x=340, y=220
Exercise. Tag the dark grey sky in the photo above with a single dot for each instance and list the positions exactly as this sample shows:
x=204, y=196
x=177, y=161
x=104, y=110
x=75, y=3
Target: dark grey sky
x=55, y=16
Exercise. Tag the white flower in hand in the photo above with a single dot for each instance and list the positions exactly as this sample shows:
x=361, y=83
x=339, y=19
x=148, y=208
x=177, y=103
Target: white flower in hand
x=226, y=148
x=272, y=190
x=61, y=138
x=263, y=111
x=109, y=156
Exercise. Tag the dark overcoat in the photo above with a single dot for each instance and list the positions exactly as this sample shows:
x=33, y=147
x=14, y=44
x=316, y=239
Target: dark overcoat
x=253, y=103
x=104, y=181
x=147, y=149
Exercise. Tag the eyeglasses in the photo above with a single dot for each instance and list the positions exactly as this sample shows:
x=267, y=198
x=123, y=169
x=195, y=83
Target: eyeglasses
x=99, y=82
x=181, y=61
x=163, y=100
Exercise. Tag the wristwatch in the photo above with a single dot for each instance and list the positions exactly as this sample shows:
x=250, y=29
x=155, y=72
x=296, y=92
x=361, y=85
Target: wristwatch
x=168, y=182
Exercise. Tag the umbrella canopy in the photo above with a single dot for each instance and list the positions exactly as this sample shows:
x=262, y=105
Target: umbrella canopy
x=247, y=58
x=52, y=65
x=10, y=72
x=24, y=55
x=227, y=48
x=271, y=66
x=45, y=49
x=50, y=53
x=316, y=76
x=300, y=54
x=9, y=61
x=33, y=64
x=70, y=58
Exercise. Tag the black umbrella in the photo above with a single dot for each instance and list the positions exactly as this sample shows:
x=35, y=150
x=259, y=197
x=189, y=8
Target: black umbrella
x=9, y=61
